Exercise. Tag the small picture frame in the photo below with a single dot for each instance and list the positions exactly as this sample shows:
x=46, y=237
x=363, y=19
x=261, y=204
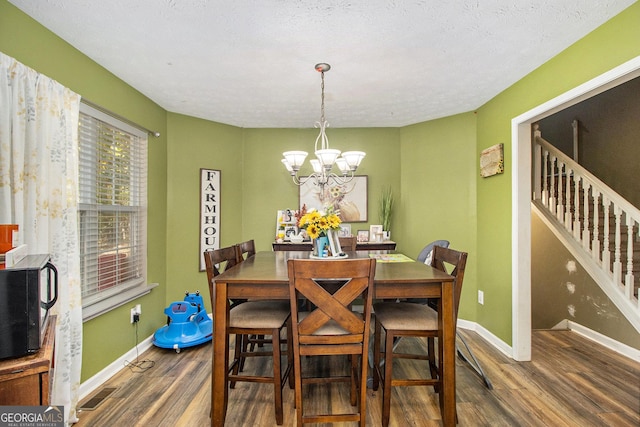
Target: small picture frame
x=345, y=230
x=375, y=233
x=362, y=236
x=290, y=231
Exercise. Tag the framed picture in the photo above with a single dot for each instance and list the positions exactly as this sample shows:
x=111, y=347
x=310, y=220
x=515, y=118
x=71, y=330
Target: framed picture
x=289, y=231
x=492, y=161
x=375, y=233
x=362, y=236
x=349, y=200
x=285, y=219
x=345, y=230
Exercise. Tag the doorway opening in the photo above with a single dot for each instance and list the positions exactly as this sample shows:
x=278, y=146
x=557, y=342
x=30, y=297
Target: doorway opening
x=521, y=201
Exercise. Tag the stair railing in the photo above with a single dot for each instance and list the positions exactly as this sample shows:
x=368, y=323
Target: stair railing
x=591, y=212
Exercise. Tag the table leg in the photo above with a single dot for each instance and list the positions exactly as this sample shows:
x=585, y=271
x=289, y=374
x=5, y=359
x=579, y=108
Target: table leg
x=219, y=392
x=448, y=362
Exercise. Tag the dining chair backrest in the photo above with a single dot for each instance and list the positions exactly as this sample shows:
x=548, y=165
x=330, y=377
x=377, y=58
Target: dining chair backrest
x=246, y=249
x=453, y=263
x=347, y=244
x=217, y=261
x=331, y=328
x=332, y=315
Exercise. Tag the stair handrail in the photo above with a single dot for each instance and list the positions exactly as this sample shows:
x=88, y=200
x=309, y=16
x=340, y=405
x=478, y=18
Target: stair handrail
x=614, y=275
x=603, y=188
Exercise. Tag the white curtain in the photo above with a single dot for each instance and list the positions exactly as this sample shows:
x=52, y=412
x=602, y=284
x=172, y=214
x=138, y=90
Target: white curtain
x=39, y=192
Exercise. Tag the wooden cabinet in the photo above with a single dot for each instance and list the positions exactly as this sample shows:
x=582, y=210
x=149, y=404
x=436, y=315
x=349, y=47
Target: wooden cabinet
x=387, y=245
x=25, y=381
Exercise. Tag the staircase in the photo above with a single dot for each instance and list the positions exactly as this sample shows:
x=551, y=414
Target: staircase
x=597, y=225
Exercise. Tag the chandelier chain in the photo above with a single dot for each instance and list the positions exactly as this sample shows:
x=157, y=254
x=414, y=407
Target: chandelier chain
x=322, y=98
x=322, y=124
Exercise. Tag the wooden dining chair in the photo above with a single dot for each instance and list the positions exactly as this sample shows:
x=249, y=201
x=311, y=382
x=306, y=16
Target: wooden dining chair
x=407, y=319
x=331, y=328
x=218, y=260
x=248, y=343
x=251, y=318
x=347, y=244
x=246, y=249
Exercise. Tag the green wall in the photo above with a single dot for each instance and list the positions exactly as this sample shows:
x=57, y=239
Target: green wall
x=608, y=46
x=438, y=198
x=111, y=335
x=194, y=144
x=268, y=187
x=432, y=168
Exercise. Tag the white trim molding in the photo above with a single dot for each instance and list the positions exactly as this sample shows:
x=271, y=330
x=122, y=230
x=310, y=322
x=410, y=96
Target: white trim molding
x=605, y=341
x=521, y=197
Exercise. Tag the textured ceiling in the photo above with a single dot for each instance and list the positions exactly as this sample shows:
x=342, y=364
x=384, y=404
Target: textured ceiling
x=251, y=64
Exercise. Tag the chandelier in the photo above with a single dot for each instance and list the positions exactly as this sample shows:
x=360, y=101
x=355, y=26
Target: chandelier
x=326, y=157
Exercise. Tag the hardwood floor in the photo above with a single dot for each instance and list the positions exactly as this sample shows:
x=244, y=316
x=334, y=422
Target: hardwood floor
x=570, y=382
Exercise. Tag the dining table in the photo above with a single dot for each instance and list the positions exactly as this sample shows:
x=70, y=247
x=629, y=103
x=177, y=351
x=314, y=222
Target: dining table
x=265, y=276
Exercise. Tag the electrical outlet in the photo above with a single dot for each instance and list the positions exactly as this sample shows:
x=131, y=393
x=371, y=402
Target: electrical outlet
x=135, y=313
x=480, y=297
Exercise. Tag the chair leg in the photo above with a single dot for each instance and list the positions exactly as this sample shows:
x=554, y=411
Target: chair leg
x=354, y=380
x=245, y=346
x=277, y=376
x=292, y=371
x=376, y=356
x=363, y=390
x=297, y=381
x=431, y=355
x=387, y=378
x=237, y=359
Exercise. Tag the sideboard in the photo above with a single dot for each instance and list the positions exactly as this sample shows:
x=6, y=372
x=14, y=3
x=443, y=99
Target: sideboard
x=25, y=381
x=388, y=245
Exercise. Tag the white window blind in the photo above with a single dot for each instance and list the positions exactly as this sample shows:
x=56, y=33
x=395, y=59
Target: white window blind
x=112, y=208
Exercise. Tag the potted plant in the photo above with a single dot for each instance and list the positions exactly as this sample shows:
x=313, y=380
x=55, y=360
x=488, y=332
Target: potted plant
x=386, y=207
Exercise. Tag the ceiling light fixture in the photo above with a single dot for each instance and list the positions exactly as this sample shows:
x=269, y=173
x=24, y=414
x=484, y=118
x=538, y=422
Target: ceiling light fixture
x=325, y=156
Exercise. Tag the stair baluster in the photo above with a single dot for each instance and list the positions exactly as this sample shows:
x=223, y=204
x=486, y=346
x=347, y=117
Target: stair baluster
x=591, y=215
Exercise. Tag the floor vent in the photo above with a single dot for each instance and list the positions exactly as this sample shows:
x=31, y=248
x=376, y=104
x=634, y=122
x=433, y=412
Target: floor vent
x=96, y=400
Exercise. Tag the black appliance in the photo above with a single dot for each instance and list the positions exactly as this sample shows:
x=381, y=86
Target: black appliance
x=27, y=291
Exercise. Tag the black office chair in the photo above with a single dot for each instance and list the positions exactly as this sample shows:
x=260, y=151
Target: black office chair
x=427, y=252
x=425, y=256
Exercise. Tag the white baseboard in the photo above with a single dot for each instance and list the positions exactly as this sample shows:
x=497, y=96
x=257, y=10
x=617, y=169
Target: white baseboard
x=618, y=347
x=500, y=345
x=90, y=385
x=611, y=344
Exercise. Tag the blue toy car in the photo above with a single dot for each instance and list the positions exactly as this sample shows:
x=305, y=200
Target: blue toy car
x=188, y=324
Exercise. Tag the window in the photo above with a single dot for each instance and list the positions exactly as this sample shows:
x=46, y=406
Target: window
x=112, y=211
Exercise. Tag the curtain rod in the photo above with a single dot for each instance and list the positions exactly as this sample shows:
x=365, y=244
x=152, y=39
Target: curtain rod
x=119, y=117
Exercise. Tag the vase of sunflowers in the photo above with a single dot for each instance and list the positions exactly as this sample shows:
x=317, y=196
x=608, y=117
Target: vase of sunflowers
x=318, y=225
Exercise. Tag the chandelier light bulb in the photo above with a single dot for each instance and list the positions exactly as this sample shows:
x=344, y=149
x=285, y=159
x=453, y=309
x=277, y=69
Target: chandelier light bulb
x=295, y=159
